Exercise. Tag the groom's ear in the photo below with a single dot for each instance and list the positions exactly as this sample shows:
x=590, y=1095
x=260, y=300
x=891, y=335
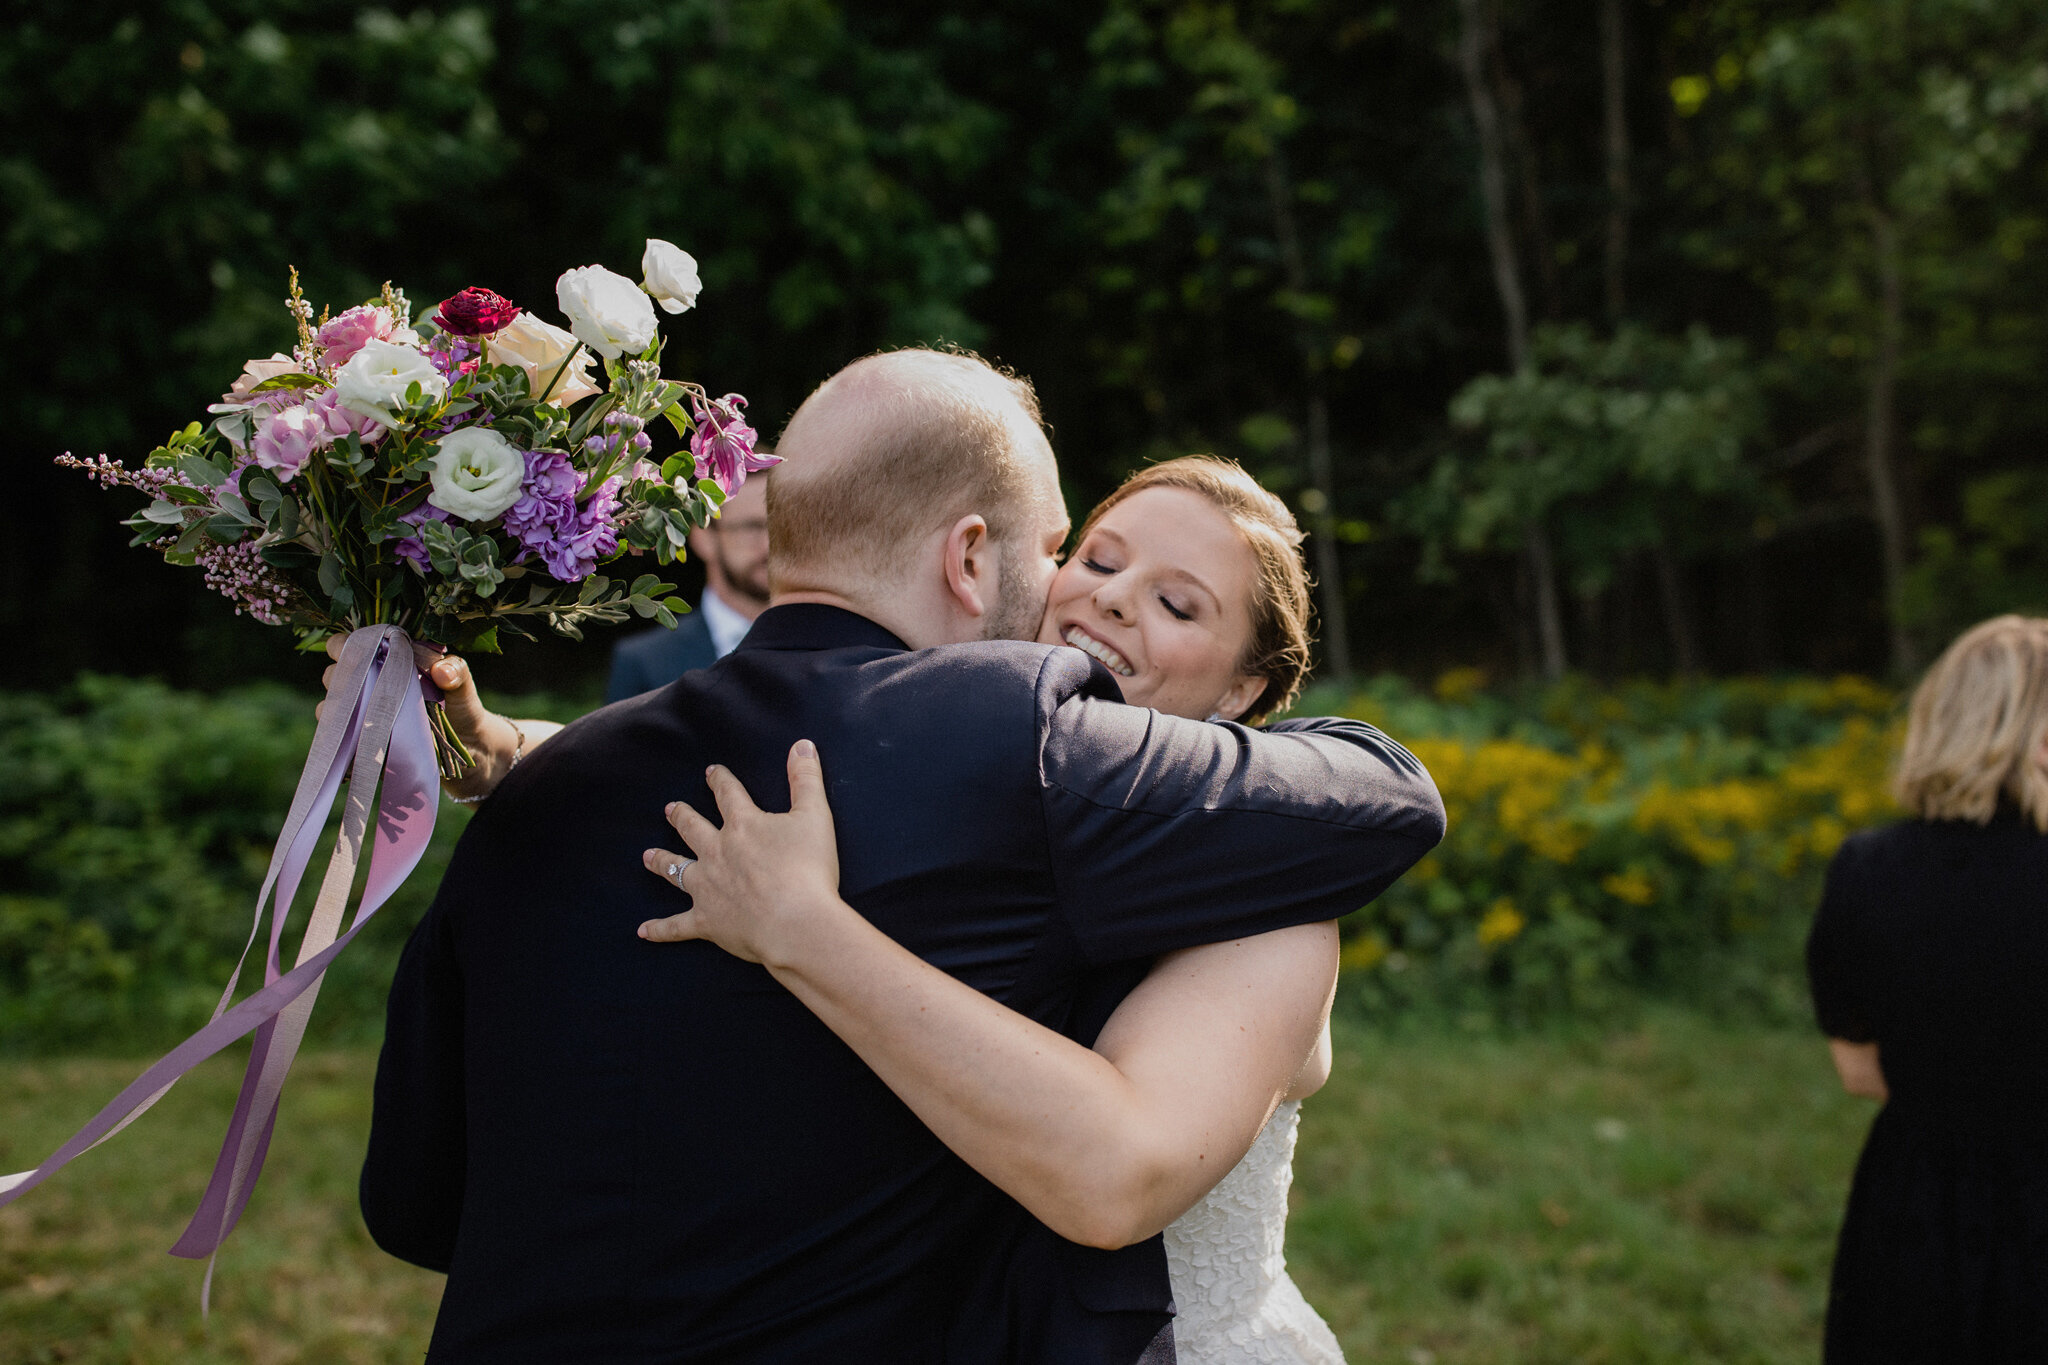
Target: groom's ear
x=970, y=562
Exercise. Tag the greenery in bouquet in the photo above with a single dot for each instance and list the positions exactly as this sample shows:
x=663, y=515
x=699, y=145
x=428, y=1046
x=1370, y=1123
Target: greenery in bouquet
x=452, y=474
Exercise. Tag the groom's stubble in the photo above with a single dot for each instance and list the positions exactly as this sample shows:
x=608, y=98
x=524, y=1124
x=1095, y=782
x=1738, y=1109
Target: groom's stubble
x=1020, y=600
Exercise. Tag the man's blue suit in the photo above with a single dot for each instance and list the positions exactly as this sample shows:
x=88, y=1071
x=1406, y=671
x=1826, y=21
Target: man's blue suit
x=655, y=658
x=627, y=1152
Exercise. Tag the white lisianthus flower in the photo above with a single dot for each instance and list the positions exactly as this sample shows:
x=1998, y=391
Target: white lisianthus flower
x=606, y=311
x=375, y=380
x=539, y=348
x=476, y=474
x=670, y=275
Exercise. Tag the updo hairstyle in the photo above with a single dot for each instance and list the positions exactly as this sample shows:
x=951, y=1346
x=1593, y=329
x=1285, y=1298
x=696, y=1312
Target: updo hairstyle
x=1279, y=648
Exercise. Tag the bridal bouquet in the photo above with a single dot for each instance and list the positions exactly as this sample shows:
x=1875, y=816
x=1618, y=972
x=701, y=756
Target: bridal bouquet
x=453, y=474
x=398, y=478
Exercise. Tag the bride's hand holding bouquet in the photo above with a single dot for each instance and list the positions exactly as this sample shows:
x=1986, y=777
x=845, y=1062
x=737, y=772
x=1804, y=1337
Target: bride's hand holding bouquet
x=394, y=488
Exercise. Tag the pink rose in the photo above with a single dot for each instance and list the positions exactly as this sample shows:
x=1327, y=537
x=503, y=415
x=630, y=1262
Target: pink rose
x=284, y=441
x=337, y=421
x=256, y=372
x=343, y=336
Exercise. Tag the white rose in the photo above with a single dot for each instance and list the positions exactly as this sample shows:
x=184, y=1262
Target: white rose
x=607, y=312
x=539, y=348
x=476, y=474
x=671, y=275
x=375, y=380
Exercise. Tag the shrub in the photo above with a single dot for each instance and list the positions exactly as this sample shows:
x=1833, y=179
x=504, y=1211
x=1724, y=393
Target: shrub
x=1603, y=841
x=135, y=826
x=1661, y=836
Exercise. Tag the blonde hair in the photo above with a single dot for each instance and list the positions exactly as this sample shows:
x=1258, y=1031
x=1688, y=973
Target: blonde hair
x=1977, y=724
x=913, y=439
x=1279, y=647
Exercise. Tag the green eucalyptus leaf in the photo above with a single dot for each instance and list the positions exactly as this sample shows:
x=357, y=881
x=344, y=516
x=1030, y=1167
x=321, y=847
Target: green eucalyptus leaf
x=290, y=381
x=202, y=471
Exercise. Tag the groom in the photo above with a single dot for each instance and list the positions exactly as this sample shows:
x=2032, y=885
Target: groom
x=623, y=1152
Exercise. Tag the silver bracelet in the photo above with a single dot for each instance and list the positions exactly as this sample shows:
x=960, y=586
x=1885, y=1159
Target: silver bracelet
x=518, y=751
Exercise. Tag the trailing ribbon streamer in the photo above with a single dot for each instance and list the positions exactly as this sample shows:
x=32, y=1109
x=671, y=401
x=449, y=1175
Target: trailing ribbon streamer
x=382, y=741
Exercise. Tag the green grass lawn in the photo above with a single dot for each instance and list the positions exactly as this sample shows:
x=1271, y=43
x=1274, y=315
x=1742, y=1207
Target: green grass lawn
x=1666, y=1193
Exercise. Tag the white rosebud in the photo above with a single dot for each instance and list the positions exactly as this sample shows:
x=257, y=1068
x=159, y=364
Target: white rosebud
x=670, y=274
x=539, y=348
x=376, y=378
x=476, y=474
x=606, y=311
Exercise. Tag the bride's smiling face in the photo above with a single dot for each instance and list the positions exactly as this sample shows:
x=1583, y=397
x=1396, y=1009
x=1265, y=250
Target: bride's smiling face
x=1160, y=591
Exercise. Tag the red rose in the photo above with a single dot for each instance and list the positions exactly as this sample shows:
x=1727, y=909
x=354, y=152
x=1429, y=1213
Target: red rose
x=475, y=312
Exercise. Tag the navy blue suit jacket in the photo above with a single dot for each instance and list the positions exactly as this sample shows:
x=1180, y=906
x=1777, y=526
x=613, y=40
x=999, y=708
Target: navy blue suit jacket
x=630, y=1152
x=654, y=658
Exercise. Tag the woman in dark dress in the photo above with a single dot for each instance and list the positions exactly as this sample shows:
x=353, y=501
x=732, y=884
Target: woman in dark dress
x=1929, y=965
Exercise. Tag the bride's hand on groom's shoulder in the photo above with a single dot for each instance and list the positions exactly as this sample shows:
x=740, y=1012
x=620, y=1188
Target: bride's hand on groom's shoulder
x=758, y=878
x=494, y=741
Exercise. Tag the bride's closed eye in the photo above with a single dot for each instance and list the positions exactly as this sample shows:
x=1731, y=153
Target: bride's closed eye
x=1178, y=614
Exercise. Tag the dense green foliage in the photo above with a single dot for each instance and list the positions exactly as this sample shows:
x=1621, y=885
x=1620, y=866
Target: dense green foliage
x=135, y=826
x=1603, y=842
x=1780, y=270
x=1666, y=1195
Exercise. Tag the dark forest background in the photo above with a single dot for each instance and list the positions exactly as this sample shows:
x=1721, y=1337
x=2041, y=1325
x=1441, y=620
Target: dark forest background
x=1623, y=336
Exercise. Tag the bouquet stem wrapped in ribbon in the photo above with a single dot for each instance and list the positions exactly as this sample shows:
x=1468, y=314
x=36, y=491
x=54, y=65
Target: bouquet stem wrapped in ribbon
x=394, y=480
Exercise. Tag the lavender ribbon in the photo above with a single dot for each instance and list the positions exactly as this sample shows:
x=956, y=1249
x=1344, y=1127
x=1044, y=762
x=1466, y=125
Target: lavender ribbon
x=381, y=740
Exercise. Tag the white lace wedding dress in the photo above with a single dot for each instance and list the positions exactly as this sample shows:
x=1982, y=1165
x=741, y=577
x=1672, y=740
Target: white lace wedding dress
x=1236, y=1304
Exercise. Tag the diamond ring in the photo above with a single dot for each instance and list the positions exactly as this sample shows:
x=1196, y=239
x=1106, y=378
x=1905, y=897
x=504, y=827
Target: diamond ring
x=675, y=871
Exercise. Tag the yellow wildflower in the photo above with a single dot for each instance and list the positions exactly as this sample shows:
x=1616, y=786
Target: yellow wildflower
x=1500, y=923
x=1633, y=886
x=1362, y=953
x=1455, y=685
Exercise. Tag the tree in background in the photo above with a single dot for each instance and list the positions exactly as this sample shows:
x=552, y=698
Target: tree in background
x=1867, y=168
x=1619, y=446
x=1263, y=228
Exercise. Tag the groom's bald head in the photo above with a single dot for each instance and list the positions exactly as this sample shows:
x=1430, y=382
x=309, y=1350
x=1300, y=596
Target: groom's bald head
x=896, y=446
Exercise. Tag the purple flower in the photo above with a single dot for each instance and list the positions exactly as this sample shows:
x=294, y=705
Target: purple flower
x=548, y=522
x=723, y=443
x=343, y=336
x=412, y=549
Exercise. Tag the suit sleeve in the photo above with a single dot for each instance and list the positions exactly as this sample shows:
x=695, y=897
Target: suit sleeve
x=1167, y=833
x=412, y=1182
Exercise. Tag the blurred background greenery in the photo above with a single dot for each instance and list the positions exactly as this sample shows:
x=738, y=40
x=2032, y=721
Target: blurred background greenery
x=1625, y=337
x=1652, y=375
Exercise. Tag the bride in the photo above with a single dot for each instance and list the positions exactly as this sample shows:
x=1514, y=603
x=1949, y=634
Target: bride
x=1188, y=585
